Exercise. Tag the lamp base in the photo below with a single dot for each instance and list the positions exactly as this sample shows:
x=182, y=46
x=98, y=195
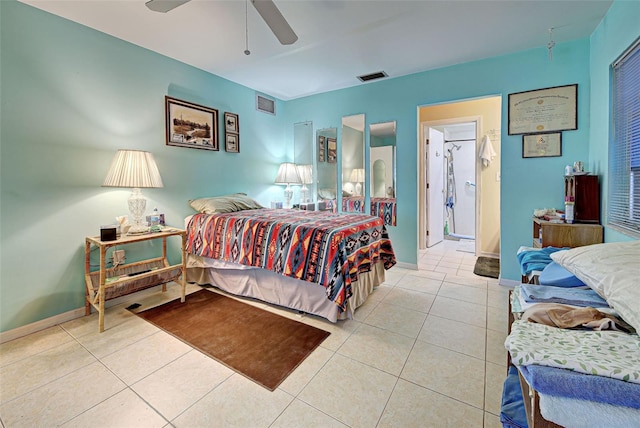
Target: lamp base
x=288, y=194
x=137, y=205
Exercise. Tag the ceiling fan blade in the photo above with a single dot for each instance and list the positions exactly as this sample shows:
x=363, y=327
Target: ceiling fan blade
x=164, y=6
x=274, y=19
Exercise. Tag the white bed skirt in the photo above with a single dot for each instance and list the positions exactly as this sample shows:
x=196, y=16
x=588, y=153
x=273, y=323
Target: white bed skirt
x=280, y=290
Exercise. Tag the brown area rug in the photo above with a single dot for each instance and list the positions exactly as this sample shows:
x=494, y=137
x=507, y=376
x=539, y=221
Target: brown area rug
x=261, y=345
x=487, y=266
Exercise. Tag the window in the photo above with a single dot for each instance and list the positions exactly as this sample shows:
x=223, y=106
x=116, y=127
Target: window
x=624, y=148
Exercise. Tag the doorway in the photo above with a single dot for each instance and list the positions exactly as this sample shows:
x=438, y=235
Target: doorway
x=485, y=113
x=450, y=181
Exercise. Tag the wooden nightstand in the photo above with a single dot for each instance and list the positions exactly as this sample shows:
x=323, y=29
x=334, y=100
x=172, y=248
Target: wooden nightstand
x=109, y=283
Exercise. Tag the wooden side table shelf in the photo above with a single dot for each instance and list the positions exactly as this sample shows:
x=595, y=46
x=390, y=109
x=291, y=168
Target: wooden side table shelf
x=564, y=234
x=109, y=283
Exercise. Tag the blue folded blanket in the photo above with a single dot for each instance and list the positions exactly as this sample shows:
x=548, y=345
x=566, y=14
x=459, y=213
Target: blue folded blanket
x=512, y=411
x=568, y=296
x=536, y=259
x=566, y=383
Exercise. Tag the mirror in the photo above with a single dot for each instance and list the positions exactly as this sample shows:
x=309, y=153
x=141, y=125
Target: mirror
x=327, y=177
x=353, y=168
x=382, y=149
x=303, y=158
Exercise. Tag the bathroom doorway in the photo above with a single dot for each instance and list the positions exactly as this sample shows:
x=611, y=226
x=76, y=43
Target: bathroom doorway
x=450, y=181
x=481, y=183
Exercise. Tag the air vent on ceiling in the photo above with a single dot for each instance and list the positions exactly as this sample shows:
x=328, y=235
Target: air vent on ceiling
x=266, y=105
x=372, y=76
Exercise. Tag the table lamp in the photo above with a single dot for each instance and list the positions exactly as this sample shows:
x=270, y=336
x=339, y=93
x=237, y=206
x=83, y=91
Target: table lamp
x=357, y=176
x=135, y=169
x=288, y=174
x=306, y=177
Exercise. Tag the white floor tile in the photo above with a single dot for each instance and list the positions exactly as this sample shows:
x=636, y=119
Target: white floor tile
x=37, y=370
x=237, y=402
x=300, y=414
x=426, y=349
x=142, y=358
x=413, y=406
x=458, y=310
x=62, y=399
x=378, y=348
x=349, y=391
x=397, y=319
x=454, y=335
x=32, y=344
x=178, y=385
x=448, y=372
x=124, y=409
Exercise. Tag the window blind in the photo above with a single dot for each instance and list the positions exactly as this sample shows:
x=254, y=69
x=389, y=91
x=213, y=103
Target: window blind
x=624, y=148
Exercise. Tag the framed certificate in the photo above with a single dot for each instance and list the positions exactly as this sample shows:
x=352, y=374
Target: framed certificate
x=544, y=110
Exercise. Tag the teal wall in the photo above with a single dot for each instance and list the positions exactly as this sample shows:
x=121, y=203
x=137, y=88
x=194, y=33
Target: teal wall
x=71, y=96
x=398, y=99
x=615, y=34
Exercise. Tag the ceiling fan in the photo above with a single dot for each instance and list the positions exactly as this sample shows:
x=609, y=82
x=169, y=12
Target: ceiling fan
x=266, y=8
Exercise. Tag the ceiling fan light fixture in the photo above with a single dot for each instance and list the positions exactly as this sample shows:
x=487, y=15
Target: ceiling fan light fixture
x=551, y=44
x=164, y=6
x=373, y=76
x=274, y=19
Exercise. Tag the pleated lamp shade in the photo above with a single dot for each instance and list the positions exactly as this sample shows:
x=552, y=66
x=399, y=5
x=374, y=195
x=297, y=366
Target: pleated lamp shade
x=288, y=174
x=133, y=168
x=357, y=175
x=306, y=174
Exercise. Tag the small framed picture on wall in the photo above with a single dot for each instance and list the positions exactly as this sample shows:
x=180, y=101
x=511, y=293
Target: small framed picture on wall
x=232, y=143
x=321, y=148
x=231, y=123
x=542, y=145
x=332, y=150
x=231, y=132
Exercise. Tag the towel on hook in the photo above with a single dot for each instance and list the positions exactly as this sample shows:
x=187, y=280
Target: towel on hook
x=486, y=151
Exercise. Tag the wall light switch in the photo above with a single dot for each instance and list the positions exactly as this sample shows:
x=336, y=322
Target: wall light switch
x=498, y=176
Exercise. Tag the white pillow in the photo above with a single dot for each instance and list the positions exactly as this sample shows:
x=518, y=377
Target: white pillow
x=612, y=270
x=224, y=204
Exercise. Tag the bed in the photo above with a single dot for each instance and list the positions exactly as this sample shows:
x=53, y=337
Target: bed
x=582, y=377
x=316, y=262
x=385, y=208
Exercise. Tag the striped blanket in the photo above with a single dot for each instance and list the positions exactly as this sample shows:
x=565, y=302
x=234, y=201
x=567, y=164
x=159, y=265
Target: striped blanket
x=322, y=247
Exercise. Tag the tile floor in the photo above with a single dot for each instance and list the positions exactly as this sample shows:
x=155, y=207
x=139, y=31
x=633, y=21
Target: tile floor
x=426, y=350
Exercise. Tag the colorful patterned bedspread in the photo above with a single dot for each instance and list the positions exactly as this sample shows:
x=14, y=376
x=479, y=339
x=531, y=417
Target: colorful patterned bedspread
x=322, y=247
x=385, y=208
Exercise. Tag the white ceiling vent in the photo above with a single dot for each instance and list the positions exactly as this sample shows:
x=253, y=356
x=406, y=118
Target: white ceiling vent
x=265, y=105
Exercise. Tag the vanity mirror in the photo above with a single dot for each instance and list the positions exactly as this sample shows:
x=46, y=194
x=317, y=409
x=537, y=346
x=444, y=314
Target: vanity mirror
x=353, y=168
x=303, y=158
x=382, y=149
x=327, y=177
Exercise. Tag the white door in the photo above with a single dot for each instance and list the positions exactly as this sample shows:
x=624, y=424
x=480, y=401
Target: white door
x=435, y=187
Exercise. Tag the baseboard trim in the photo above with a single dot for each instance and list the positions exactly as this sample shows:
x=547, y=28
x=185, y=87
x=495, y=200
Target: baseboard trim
x=412, y=266
x=508, y=282
x=25, y=330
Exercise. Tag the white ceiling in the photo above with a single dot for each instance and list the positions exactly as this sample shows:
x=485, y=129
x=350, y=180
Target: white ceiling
x=337, y=39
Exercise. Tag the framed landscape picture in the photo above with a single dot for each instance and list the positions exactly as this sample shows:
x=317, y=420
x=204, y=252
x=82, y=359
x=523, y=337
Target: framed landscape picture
x=191, y=125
